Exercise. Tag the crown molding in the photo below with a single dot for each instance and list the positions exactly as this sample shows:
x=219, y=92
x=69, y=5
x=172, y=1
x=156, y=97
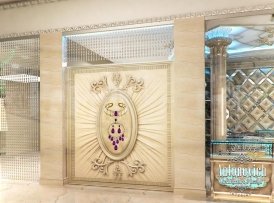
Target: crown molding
x=268, y=8
x=26, y=3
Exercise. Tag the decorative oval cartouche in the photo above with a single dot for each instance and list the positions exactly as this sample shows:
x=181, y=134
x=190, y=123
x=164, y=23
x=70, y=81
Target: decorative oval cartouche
x=117, y=125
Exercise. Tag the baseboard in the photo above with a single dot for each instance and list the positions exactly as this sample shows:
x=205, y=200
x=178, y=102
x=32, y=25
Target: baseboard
x=51, y=182
x=191, y=194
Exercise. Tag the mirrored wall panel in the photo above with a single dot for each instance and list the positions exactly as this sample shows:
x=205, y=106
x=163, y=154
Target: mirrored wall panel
x=250, y=98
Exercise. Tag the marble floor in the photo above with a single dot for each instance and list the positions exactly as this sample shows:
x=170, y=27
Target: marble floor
x=35, y=193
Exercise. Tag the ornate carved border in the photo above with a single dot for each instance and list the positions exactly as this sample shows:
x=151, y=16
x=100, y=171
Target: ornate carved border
x=26, y=3
x=206, y=14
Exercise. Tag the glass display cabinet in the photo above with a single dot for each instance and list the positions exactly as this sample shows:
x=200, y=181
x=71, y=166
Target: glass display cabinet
x=241, y=169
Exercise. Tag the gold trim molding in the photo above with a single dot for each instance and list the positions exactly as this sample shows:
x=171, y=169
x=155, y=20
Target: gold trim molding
x=207, y=14
x=26, y=3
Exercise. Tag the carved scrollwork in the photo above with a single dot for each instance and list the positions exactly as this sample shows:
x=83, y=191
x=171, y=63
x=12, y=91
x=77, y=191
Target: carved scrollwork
x=99, y=86
x=241, y=158
x=118, y=172
x=100, y=165
x=135, y=167
x=136, y=85
x=103, y=167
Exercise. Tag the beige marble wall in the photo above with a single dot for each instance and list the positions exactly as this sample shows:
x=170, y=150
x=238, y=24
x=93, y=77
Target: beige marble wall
x=51, y=113
x=189, y=113
x=188, y=118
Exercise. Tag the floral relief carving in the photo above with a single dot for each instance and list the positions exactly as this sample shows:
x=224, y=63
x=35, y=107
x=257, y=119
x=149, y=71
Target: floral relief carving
x=117, y=125
x=99, y=86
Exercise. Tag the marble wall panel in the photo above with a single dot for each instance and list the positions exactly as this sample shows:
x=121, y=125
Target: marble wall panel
x=188, y=119
x=51, y=104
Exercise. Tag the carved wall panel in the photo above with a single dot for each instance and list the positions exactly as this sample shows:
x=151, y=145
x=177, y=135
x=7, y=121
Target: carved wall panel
x=119, y=124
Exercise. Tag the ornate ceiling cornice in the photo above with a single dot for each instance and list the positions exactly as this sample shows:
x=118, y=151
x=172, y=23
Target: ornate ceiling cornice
x=26, y=3
x=206, y=14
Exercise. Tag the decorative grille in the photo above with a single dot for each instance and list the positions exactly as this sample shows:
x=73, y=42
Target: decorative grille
x=120, y=46
x=19, y=108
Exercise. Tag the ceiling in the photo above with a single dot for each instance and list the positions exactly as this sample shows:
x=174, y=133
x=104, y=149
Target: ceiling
x=249, y=43
x=252, y=37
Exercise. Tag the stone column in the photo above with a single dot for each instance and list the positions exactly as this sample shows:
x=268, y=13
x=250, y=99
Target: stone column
x=218, y=56
x=51, y=110
x=188, y=125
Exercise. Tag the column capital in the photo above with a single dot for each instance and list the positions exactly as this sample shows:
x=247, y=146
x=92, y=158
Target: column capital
x=218, y=42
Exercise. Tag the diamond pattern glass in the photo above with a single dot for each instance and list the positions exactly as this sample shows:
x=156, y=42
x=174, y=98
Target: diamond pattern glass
x=271, y=113
x=266, y=104
x=257, y=76
x=247, y=104
x=239, y=113
x=252, y=107
x=271, y=76
x=267, y=122
x=248, y=86
x=266, y=86
x=257, y=113
x=239, y=78
x=271, y=95
x=248, y=122
x=239, y=128
x=231, y=122
x=231, y=104
x=257, y=95
x=248, y=71
x=239, y=95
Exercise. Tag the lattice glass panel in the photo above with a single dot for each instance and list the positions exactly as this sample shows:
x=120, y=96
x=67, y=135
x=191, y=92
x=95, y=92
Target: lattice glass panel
x=19, y=108
x=250, y=99
x=120, y=46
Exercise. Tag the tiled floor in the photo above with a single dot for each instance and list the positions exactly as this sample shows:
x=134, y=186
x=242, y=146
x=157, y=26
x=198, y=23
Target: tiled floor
x=35, y=193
